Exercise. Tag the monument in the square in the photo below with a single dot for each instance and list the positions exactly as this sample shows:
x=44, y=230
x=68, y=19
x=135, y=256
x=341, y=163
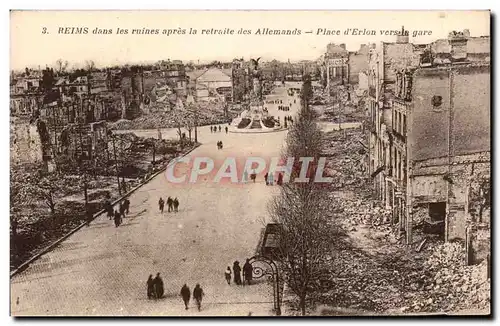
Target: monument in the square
x=256, y=118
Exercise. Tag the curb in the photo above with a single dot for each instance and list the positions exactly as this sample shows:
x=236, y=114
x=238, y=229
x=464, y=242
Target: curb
x=26, y=264
x=258, y=132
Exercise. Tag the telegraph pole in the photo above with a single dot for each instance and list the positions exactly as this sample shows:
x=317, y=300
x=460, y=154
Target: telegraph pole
x=196, y=125
x=116, y=164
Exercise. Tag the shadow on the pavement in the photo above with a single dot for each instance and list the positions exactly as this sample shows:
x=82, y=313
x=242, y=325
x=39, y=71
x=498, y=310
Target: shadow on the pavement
x=129, y=224
x=102, y=225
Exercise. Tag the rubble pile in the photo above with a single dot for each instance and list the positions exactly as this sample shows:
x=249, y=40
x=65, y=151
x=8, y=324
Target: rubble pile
x=166, y=120
x=449, y=285
x=359, y=211
x=362, y=281
x=346, y=155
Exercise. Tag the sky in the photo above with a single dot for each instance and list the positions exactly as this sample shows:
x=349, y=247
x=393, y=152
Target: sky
x=31, y=47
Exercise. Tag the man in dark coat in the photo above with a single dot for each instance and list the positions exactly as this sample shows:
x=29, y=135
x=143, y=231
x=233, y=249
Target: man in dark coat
x=126, y=203
x=88, y=216
x=247, y=272
x=109, y=209
x=122, y=209
x=118, y=219
x=186, y=295
x=158, y=286
x=280, y=179
x=226, y=129
x=198, y=295
x=266, y=176
x=151, y=292
x=169, y=204
x=176, y=204
x=237, y=272
x=161, y=204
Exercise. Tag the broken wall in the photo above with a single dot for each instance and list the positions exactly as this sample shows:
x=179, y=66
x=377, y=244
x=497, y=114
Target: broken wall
x=358, y=61
x=25, y=143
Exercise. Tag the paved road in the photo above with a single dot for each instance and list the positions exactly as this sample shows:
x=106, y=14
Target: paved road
x=102, y=270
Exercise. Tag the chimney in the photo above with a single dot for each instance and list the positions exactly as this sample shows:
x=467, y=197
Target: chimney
x=403, y=37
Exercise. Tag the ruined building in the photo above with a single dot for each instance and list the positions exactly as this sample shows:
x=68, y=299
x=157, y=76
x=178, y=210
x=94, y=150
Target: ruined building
x=430, y=137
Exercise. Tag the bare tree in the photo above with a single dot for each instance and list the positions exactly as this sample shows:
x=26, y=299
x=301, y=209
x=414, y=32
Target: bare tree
x=61, y=66
x=89, y=65
x=28, y=188
x=305, y=237
x=300, y=209
x=190, y=127
x=180, y=121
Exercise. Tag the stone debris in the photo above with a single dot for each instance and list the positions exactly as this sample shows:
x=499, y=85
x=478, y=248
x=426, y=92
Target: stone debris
x=376, y=272
x=206, y=116
x=449, y=285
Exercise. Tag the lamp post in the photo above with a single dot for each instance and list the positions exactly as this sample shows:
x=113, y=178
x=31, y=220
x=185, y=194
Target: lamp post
x=271, y=271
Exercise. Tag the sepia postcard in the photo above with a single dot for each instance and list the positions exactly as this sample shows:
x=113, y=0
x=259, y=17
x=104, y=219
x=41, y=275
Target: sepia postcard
x=250, y=163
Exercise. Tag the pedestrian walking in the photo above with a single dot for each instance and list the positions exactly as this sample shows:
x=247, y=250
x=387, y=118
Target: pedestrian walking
x=247, y=272
x=126, y=203
x=161, y=204
x=158, y=286
x=169, y=204
x=218, y=145
x=198, y=295
x=227, y=274
x=109, y=209
x=118, y=218
x=176, y=204
x=266, y=176
x=88, y=216
x=211, y=129
x=186, y=295
x=226, y=129
x=253, y=176
x=221, y=145
x=270, y=179
x=122, y=209
x=149, y=283
x=220, y=129
x=237, y=272
x=280, y=179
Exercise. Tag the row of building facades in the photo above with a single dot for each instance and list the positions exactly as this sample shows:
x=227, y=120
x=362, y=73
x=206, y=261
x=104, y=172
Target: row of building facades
x=428, y=109
x=67, y=110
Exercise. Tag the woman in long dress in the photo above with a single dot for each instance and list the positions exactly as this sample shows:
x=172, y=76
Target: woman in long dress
x=237, y=273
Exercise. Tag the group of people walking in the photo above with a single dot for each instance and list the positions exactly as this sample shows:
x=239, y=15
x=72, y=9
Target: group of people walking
x=197, y=295
x=269, y=177
x=236, y=273
x=172, y=204
x=120, y=214
x=283, y=108
x=156, y=289
x=214, y=129
x=219, y=144
x=289, y=119
x=253, y=176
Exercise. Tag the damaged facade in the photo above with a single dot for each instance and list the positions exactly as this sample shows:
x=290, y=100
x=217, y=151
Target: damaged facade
x=430, y=135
